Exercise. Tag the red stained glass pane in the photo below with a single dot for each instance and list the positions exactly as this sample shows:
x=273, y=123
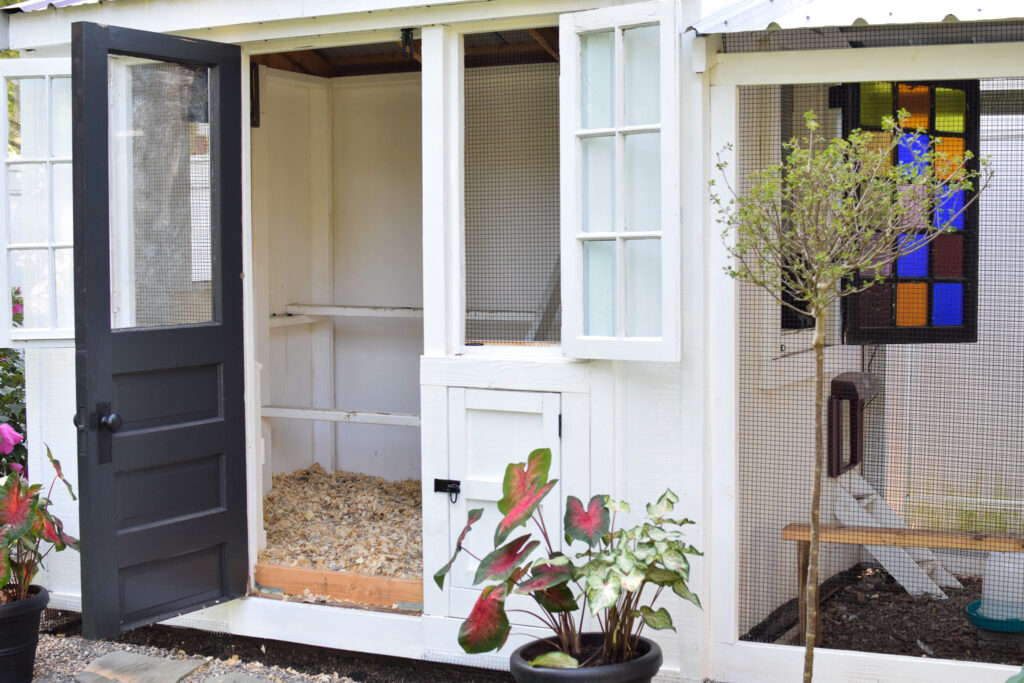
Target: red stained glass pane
x=948, y=256
x=875, y=306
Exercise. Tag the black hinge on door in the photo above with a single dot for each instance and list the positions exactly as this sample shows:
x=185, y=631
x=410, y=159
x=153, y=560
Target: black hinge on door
x=452, y=487
x=559, y=425
x=254, y=95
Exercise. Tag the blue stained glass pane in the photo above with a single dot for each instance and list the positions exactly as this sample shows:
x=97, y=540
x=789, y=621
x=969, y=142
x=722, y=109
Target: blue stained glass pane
x=910, y=151
x=914, y=264
x=947, y=304
x=946, y=207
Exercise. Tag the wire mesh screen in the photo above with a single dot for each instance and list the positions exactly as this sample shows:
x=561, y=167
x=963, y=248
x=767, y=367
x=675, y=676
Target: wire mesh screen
x=160, y=227
x=922, y=532
x=511, y=189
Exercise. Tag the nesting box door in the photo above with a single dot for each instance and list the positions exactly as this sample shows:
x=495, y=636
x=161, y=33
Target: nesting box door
x=488, y=429
x=158, y=306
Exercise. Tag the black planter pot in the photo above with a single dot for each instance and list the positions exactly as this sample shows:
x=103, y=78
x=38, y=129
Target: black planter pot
x=19, y=635
x=640, y=670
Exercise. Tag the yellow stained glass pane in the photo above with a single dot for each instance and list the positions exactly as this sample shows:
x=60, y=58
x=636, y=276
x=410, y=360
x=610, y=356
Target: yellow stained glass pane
x=949, y=154
x=950, y=110
x=911, y=304
x=916, y=100
x=880, y=142
x=875, y=102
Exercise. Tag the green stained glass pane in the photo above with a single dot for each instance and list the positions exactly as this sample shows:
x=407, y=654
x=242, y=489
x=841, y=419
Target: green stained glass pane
x=875, y=102
x=950, y=110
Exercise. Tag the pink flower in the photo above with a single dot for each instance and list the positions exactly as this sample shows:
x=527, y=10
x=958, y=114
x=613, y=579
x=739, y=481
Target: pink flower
x=9, y=438
x=16, y=309
x=17, y=469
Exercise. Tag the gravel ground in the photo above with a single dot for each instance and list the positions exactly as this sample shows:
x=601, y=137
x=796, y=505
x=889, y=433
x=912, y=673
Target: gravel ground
x=63, y=653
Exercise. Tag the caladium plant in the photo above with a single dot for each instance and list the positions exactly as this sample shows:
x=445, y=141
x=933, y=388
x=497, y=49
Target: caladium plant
x=28, y=531
x=616, y=574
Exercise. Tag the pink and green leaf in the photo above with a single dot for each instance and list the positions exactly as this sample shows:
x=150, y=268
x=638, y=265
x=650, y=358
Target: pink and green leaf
x=499, y=564
x=545, y=576
x=521, y=478
x=586, y=524
x=16, y=506
x=474, y=516
x=556, y=599
x=486, y=628
x=556, y=660
x=5, y=558
x=521, y=510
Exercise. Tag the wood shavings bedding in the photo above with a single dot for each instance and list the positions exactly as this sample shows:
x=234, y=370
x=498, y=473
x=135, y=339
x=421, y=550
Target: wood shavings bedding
x=346, y=522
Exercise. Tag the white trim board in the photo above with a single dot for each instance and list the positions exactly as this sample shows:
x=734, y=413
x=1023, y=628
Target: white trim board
x=930, y=62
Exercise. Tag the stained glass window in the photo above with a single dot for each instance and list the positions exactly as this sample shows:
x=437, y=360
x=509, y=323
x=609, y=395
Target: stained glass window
x=930, y=293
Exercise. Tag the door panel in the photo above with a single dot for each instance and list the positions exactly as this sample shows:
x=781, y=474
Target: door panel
x=488, y=429
x=157, y=220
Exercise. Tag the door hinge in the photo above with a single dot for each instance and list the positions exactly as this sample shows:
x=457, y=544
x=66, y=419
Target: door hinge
x=450, y=486
x=559, y=425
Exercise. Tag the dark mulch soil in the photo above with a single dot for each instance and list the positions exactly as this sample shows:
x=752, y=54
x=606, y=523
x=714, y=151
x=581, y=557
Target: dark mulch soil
x=305, y=659
x=875, y=614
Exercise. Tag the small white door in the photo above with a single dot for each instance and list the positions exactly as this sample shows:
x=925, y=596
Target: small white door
x=488, y=429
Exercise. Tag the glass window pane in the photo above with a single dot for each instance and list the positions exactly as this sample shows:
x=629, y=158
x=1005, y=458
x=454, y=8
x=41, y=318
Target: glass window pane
x=64, y=270
x=29, y=206
x=599, y=291
x=61, y=112
x=875, y=305
x=153, y=109
x=643, y=181
x=914, y=263
x=948, y=256
x=950, y=110
x=642, y=75
x=62, y=208
x=26, y=135
x=599, y=184
x=948, y=304
x=643, y=288
x=911, y=304
x=597, y=89
x=917, y=101
x=875, y=102
x=30, y=273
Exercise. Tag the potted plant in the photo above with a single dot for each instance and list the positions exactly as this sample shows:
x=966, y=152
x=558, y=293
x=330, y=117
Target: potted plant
x=28, y=532
x=608, y=578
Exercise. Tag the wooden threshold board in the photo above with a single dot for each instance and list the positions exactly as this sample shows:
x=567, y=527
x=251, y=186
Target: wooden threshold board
x=380, y=591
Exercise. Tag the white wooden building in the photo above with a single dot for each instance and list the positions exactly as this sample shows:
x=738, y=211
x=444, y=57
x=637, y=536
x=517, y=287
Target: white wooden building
x=371, y=265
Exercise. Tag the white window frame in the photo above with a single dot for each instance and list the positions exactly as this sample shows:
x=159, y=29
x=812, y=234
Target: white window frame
x=575, y=343
x=11, y=336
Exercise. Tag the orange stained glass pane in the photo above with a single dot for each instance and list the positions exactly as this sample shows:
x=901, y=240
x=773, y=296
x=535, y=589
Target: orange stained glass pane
x=953, y=149
x=950, y=110
x=916, y=100
x=911, y=304
x=879, y=142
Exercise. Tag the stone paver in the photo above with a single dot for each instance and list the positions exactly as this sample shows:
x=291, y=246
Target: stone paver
x=234, y=678
x=129, y=667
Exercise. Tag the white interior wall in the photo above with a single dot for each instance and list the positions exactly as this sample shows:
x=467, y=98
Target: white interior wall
x=378, y=262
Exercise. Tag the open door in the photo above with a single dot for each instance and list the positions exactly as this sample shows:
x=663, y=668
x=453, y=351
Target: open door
x=158, y=324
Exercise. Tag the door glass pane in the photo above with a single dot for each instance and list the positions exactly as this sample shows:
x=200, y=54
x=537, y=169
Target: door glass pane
x=63, y=264
x=599, y=292
x=642, y=75
x=26, y=104
x=598, y=80
x=599, y=184
x=158, y=207
x=30, y=273
x=26, y=189
x=61, y=112
x=62, y=216
x=643, y=182
x=643, y=288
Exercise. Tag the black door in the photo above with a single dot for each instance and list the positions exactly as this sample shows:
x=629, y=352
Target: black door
x=158, y=324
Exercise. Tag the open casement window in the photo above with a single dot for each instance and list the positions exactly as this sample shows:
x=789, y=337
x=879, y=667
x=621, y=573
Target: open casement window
x=620, y=183
x=931, y=294
x=36, y=271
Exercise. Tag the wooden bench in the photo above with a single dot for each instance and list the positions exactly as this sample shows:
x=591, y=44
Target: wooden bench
x=871, y=535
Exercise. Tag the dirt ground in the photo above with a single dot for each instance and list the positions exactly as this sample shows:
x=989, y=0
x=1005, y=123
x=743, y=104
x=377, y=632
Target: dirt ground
x=875, y=614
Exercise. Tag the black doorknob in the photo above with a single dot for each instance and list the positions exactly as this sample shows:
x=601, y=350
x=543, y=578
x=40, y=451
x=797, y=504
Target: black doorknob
x=111, y=422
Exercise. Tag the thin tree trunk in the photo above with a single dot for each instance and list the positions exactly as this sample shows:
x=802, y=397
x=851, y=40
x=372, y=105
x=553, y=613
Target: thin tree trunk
x=811, y=621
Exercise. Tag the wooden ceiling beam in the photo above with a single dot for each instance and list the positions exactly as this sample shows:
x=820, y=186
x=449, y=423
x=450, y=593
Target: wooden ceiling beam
x=547, y=38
